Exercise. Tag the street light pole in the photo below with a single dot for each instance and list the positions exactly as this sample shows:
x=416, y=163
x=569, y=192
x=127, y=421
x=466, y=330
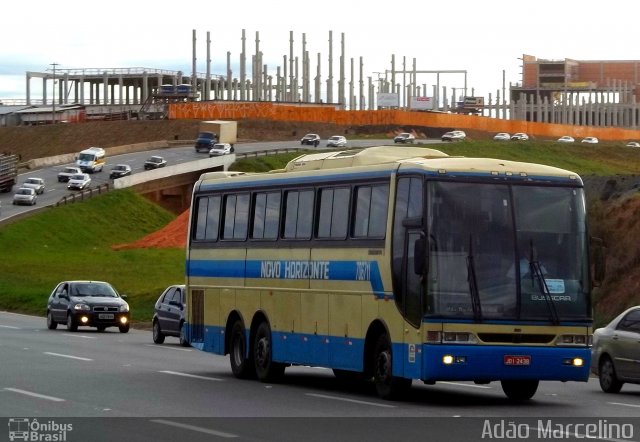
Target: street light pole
x=53, y=119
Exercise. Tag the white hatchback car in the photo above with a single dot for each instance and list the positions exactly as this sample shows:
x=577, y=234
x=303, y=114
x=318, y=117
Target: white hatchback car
x=590, y=140
x=502, y=136
x=79, y=181
x=566, y=139
x=336, y=141
x=632, y=144
x=36, y=184
x=520, y=136
x=220, y=149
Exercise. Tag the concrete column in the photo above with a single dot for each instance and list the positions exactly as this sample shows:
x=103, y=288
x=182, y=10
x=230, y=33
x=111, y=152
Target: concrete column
x=352, y=104
x=293, y=90
x=361, y=90
x=330, y=79
x=305, y=78
x=341, y=97
x=105, y=85
x=44, y=91
x=278, y=84
x=64, y=87
x=28, y=88
x=145, y=87
x=121, y=86
x=445, y=106
x=206, y=95
x=317, y=91
x=229, y=76
x=285, y=94
x=243, y=67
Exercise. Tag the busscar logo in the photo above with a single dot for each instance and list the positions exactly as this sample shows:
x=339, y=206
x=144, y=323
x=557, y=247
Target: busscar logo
x=32, y=430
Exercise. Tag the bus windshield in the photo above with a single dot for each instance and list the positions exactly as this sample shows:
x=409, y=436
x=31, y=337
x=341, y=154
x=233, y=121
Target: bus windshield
x=506, y=252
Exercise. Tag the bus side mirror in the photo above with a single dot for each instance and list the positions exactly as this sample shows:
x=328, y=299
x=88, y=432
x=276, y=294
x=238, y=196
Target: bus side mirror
x=598, y=261
x=419, y=255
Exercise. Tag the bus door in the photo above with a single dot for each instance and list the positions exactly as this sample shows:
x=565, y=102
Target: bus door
x=408, y=270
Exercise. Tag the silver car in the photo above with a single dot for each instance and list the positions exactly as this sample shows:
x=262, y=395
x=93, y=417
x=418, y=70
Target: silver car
x=615, y=356
x=25, y=196
x=36, y=184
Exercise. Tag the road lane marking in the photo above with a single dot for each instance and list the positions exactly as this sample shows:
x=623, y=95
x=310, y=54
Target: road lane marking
x=344, y=399
x=32, y=394
x=167, y=348
x=80, y=336
x=194, y=428
x=623, y=404
x=460, y=384
x=187, y=375
x=67, y=356
x=10, y=326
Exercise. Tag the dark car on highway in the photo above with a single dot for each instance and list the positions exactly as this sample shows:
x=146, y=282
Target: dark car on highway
x=154, y=162
x=615, y=355
x=120, y=170
x=310, y=140
x=169, y=315
x=87, y=303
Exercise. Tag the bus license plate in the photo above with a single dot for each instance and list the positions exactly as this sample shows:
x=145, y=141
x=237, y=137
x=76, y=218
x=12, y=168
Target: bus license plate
x=105, y=316
x=517, y=360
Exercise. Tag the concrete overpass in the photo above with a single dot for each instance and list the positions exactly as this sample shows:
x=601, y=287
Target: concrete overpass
x=172, y=186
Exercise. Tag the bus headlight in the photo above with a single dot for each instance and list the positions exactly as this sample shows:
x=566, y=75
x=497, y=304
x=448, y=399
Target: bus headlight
x=576, y=362
x=574, y=340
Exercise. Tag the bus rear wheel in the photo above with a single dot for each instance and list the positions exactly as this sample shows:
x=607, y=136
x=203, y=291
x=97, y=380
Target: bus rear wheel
x=387, y=386
x=241, y=365
x=519, y=390
x=266, y=369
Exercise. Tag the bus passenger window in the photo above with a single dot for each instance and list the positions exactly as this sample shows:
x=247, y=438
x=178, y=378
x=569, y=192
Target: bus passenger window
x=236, y=216
x=334, y=205
x=371, y=211
x=298, y=215
x=207, y=219
x=266, y=216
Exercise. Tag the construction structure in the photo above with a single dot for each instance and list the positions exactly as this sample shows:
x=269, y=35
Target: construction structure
x=578, y=92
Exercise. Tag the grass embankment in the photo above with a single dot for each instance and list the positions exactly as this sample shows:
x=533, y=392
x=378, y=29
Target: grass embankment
x=604, y=159
x=74, y=242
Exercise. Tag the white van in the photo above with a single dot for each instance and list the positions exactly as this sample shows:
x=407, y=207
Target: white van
x=91, y=159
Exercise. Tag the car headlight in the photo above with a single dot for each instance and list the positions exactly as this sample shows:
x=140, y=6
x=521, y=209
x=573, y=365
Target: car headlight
x=124, y=307
x=83, y=307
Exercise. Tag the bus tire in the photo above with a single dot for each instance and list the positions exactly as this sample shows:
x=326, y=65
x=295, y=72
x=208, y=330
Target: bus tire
x=519, y=390
x=241, y=365
x=266, y=369
x=388, y=387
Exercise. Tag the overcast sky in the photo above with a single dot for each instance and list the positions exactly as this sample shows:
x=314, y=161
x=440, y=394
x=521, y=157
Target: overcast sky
x=483, y=37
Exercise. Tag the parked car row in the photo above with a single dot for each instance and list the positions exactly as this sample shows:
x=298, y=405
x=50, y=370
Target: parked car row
x=314, y=140
x=84, y=303
x=504, y=136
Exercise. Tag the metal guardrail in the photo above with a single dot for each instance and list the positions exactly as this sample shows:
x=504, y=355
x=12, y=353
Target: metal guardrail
x=84, y=194
x=260, y=153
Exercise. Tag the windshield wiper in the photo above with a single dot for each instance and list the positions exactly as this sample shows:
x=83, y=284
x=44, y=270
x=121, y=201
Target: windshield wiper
x=536, y=271
x=473, y=284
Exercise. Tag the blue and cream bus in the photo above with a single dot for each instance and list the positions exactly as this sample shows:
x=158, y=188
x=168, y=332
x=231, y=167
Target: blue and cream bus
x=392, y=264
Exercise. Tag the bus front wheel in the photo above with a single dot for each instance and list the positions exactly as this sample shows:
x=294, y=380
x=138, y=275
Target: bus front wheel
x=519, y=390
x=266, y=369
x=387, y=385
x=241, y=365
